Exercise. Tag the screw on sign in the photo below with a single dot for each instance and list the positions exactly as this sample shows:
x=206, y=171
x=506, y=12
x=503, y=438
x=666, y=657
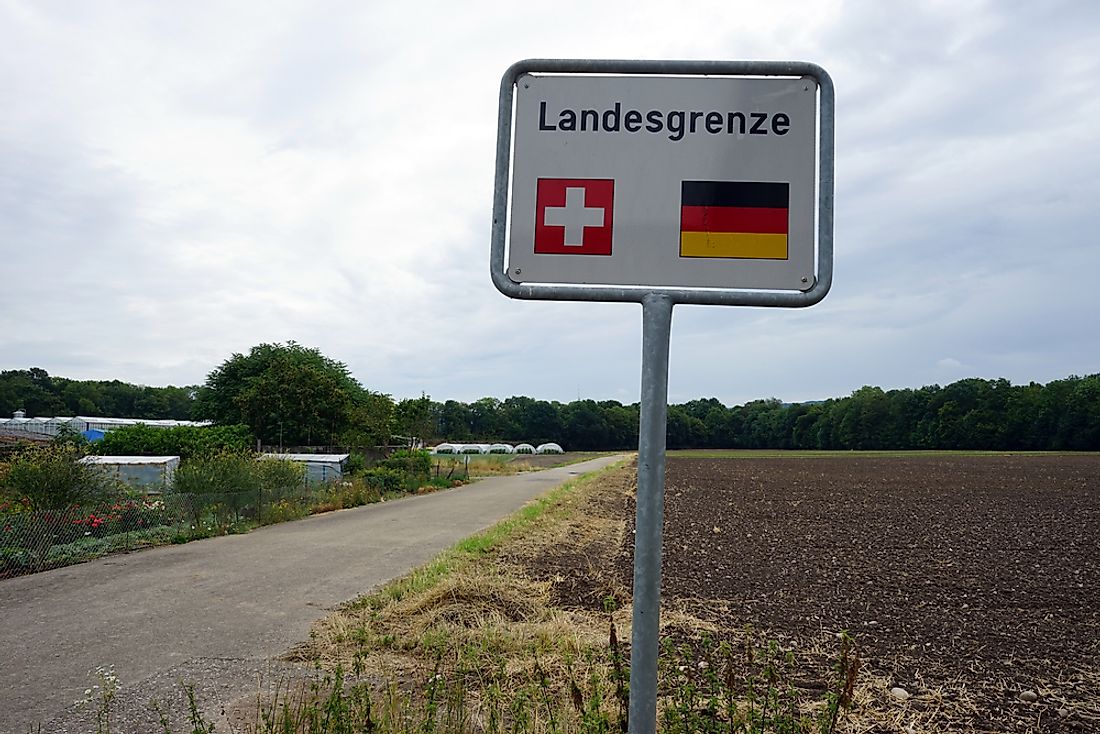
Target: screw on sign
x=662, y=182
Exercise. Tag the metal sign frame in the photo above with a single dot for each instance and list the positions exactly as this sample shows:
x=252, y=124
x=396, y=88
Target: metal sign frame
x=823, y=278
x=657, y=304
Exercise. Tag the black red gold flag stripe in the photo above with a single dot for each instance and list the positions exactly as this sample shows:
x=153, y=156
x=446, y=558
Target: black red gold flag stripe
x=734, y=219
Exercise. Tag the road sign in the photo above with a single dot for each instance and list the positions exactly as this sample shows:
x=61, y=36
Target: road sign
x=662, y=182
x=658, y=180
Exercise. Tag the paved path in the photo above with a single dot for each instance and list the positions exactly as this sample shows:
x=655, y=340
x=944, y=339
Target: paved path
x=247, y=596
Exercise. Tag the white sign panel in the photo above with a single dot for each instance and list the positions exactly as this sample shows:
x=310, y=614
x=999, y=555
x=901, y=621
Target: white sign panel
x=664, y=181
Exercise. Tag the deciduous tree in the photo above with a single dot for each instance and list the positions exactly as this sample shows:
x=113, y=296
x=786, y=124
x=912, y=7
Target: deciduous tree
x=286, y=394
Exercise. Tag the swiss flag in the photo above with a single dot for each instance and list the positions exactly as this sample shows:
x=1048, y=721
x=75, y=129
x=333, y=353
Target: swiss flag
x=573, y=216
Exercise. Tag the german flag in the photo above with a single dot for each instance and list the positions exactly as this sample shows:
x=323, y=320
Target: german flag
x=734, y=219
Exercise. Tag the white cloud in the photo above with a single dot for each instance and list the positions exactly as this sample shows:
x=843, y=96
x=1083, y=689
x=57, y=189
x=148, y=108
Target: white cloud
x=180, y=182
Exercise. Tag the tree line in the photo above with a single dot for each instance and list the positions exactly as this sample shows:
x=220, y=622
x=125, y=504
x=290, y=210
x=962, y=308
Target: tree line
x=42, y=395
x=968, y=414
x=287, y=394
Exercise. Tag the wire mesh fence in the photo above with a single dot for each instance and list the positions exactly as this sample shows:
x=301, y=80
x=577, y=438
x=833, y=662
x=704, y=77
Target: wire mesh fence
x=37, y=540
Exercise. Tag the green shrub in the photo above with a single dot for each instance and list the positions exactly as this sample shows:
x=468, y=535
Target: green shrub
x=223, y=472
x=182, y=441
x=409, y=461
x=83, y=549
x=348, y=493
x=280, y=474
x=78, y=550
x=225, y=488
x=16, y=560
x=52, y=477
x=284, y=510
x=384, y=480
x=355, y=463
x=13, y=505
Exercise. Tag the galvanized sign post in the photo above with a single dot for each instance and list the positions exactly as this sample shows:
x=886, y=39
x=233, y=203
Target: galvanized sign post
x=662, y=182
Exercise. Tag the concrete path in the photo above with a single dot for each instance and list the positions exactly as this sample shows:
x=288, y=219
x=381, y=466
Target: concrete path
x=241, y=597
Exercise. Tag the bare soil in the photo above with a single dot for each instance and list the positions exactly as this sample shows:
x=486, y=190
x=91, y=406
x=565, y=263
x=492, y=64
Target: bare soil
x=965, y=580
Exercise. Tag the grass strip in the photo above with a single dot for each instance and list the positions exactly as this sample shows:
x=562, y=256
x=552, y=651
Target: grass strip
x=475, y=546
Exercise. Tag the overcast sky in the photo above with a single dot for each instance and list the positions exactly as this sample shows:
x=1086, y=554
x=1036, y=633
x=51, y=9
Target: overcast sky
x=182, y=181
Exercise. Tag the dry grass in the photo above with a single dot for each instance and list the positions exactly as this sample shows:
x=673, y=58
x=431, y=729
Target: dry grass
x=476, y=619
x=481, y=603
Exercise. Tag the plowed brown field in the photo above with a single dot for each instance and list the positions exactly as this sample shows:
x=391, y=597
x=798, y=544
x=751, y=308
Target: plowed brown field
x=969, y=581
x=977, y=570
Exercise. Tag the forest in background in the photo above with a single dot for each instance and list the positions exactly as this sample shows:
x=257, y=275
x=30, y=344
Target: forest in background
x=42, y=395
x=291, y=394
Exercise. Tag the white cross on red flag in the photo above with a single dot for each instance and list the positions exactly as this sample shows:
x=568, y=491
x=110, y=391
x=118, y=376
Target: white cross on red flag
x=574, y=216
